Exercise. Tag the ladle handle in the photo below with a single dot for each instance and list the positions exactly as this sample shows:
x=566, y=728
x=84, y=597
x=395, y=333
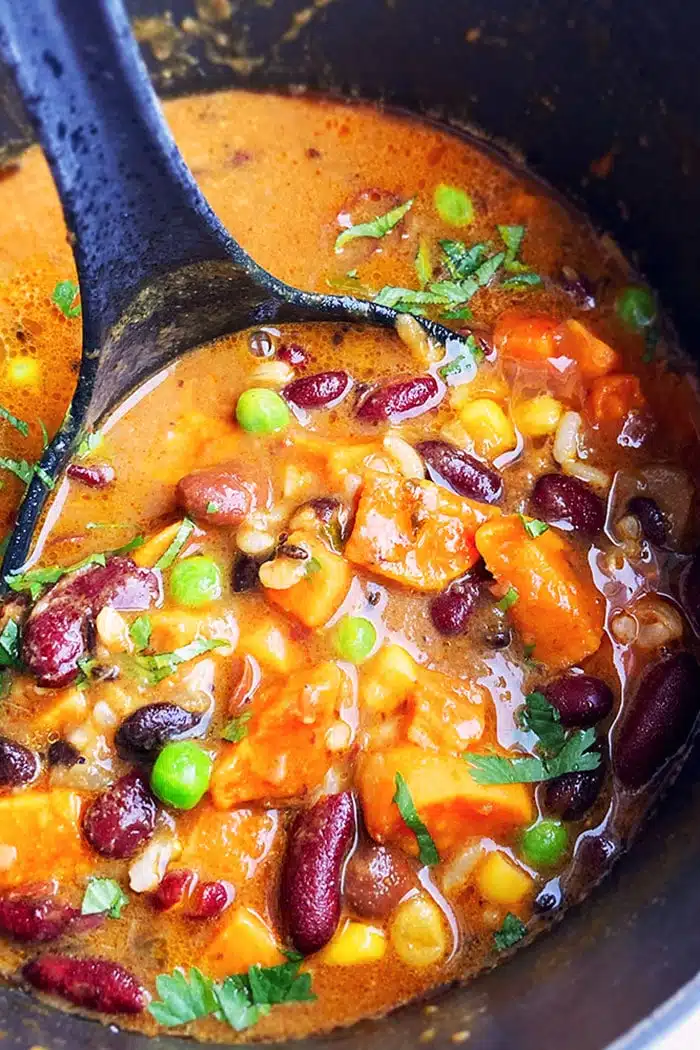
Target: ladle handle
x=126, y=192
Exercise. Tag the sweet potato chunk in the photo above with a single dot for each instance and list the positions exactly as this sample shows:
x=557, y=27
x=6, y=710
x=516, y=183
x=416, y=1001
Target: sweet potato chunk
x=593, y=357
x=558, y=609
x=242, y=940
x=228, y=845
x=449, y=801
x=40, y=837
x=284, y=754
x=321, y=592
x=414, y=532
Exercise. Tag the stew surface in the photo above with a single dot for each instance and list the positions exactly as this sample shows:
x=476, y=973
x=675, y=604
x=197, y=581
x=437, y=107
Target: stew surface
x=344, y=660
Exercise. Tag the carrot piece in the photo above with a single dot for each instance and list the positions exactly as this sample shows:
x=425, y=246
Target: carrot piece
x=558, y=609
x=228, y=845
x=593, y=356
x=449, y=801
x=525, y=337
x=284, y=754
x=155, y=546
x=414, y=532
x=242, y=940
x=40, y=837
x=612, y=398
x=321, y=592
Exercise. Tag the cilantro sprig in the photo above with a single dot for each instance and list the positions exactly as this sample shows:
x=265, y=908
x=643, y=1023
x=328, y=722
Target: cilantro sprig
x=64, y=297
x=103, y=895
x=157, y=666
x=181, y=537
x=375, y=228
x=512, y=930
x=236, y=729
x=427, y=850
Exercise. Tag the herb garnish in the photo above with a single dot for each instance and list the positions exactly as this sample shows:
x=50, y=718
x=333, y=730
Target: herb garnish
x=9, y=644
x=427, y=850
x=36, y=579
x=140, y=631
x=158, y=666
x=64, y=295
x=237, y=729
x=574, y=757
x=543, y=719
x=103, y=895
x=509, y=598
x=18, y=424
x=423, y=262
x=533, y=526
x=212, y=508
x=376, y=228
x=453, y=205
x=313, y=565
x=181, y=537
x=88, y=443
x=512, y=930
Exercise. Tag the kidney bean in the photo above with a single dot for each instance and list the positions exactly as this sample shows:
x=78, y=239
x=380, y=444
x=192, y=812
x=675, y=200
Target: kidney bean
x=293, y=355
x=34, y=919
x=690, y=591
x=93, y=476
x=143, y=733
x=210, y=899
x=62, y=753
x=660, y=719
x=217, y=495
x=401, y=400
x=310, y=887
x=245, y=574
x=18, y=765
x=579, y=287
x=452, y=467
x=175, y=886
x=651, y=518
x=581, y=700
x=122, y=818
x=451, y=610
x=56, y=634
x=568, y=503
x=318, y=391
x=94, y=984
x=376, y=879
x=572, y=795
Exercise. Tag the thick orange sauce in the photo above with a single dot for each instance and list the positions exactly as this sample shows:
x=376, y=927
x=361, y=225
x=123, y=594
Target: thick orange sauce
x=285, y=176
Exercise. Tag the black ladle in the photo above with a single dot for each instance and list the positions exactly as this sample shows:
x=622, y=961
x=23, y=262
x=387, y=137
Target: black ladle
x=158, y=272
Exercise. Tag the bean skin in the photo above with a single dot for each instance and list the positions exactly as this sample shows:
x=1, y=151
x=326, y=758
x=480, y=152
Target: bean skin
x=143, y=733
x=651, y=518
x=376, y=879
x=93, y=476
x=35, y=919
x=321, y=390
x=18, y=765
x=122, y=818
x=293, y=354
x=568, y=504
x=659, y=721
x=581, y=699
x=401, y=400
x=245, y=574
x=175, y=887
x=210, y=899
x=318, y=843
x=457, y=470
x=94, y=984
x=452, y=610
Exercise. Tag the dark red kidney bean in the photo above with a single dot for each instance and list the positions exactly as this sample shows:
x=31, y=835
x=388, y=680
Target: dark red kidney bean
x=35, y=919
x=18, y=765
x=245, y=574
x=451, y=610
x=175, y=886
x=318, y=391
x=400, y=400
x=143, y=733
x=217, y=495
x=572, y=795
x=319, y=840
x=568, y=503
x=210, y=899
x=293, y=355
x=56, y=634
x=452, y=467
x=94, y=475
x=659, y=721
x=94, y=984
x=581, y=699
x=690, y=591
x=62, y=753
x=651, y=518
x=122, y=818
x=376, y=879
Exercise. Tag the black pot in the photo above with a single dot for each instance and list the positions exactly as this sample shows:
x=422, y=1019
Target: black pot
x=567, y=85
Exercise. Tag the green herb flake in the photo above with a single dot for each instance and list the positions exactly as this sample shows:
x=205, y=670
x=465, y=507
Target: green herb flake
x=36, y=579
x=427, y=850
x=161, y=665
x=512, y=930
x=522, y=280
x=376, y=228
x=18, y=424
x=140, y=632
x=64, y=295
x=45, y=439
x=212, y=508
x=453, y=205
x=103, y=895
x=533, y=526
x=237, y=729
x=89, y=443
x=181, y=537
x=463, y=314
x=132, y=545
x=574, y=757
x=543, y=719
x=19, y=467
x=423, y=263
x=509, y=598
x=461, y=262
x=183, y=1000
x=10, y=644
x=313, y=565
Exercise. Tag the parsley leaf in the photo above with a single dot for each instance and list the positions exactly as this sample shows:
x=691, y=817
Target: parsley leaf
x=235, y=1006
x=376, y=228
x=103, y=895
x=512, y=237
x=181, y=537
x=237, y=729
x=140, y=631
x=18, y=424
x=512, y=930
x=453, y=205
x=9, y=644
x=427, y=850
x=19, y=467
x=543, y=719
x=181, y=1000
x=406, y=300
x=64, y=295
x=313, y=565
x=533, y=526
x=273, y=985
x=509, y=598
x=574, y=757
x=161, y=665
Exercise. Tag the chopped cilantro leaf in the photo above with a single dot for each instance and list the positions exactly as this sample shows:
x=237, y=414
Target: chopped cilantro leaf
x=512, y=237
x=461, y=261
x=427, y=850
x=140, y=631
x=88, y=443
x=9, y=644
x=542, y=719
x=522, y=280
x=19, y=467
x=237, y=729
x=313, y=565
x=103, y=895
x=18, y=424
x=183, y=1000
x=181, y=537
x=376, y=228
x=36, y=579
x=512, y=930
x=64, y=295
x=574, y=757
x=509, y=598
x=161, y=665
x=533, y=526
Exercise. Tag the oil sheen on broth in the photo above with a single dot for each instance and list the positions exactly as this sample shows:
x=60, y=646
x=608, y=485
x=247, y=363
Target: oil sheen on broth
x=404, y=650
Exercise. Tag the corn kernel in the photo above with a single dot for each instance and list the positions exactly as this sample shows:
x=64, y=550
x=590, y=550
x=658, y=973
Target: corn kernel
x=418, y=932
x=538, y=416
x=486, y=383
x=501, y=881
x=23, y=371
x=356, y=943
x=489, y=428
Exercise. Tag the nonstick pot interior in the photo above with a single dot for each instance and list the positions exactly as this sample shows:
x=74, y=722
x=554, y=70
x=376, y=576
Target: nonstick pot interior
x=568, y=84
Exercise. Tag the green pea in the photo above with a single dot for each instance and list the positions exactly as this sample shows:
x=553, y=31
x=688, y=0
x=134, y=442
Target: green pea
x=355, y=638
x=181, y=774
x=453, y=205
x=262, y=411
x=195, y=581
x=544, y=844
x=635, y=307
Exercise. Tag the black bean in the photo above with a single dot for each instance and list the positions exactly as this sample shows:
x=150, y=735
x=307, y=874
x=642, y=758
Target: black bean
x=62, y=753
x=452, y=610
x=573, y=794
x=144, y=732
x=245, y=573
x=651, y=518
